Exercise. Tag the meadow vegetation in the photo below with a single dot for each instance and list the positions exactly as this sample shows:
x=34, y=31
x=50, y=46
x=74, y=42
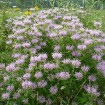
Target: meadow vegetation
x=53, y=55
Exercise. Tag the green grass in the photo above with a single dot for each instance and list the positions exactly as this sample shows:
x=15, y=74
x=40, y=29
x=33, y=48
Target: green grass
x=5, y=52
x=10, y=14
x=94, y=15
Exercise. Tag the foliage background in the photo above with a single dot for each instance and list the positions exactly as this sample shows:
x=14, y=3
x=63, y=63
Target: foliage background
x=97, y=4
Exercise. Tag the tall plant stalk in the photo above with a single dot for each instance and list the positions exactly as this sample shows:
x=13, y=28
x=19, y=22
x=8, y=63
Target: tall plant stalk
x=52, y=3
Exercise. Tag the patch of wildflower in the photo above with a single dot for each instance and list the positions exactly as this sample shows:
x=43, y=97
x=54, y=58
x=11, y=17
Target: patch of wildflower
x=51, y=49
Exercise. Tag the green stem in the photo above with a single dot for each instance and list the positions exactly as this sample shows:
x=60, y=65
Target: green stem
x=81, y=86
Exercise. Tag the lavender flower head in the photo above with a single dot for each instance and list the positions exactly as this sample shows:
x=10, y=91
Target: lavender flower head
x=10, y=88
x=101, y=66
x=76, y=63
x=63, y=75
x=53, y=89
x=75, y=37
x=92, y=90
x=42, y=84
x=57, y=55
x=5, y=96
x=78, y=75
x=85, y=69
x=49, y=66
x=38, y=75
x=41, y=99
x=26, y=76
